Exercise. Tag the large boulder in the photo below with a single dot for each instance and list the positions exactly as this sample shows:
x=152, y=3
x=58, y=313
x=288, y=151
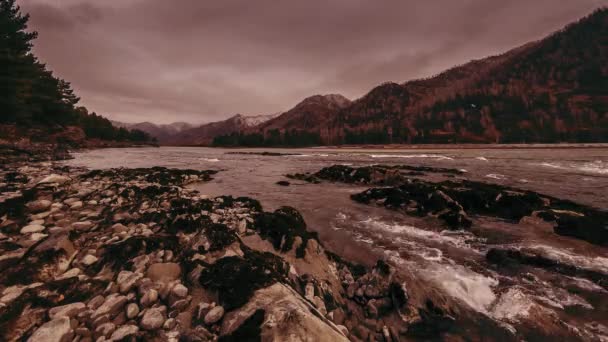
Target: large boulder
x=293, y=318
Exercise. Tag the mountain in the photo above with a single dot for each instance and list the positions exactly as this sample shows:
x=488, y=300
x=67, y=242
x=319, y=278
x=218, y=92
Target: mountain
x=204, y=134
x=300, y=126
x=552, y=90
x=162, y=133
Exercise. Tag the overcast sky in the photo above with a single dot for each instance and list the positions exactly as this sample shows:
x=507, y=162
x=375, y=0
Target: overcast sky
x=204, y=60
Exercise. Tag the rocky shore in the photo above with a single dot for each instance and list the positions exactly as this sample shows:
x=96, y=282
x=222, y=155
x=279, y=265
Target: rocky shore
x=133, y=254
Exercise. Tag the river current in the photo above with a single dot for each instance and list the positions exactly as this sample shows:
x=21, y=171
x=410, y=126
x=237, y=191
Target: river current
x=452, y=262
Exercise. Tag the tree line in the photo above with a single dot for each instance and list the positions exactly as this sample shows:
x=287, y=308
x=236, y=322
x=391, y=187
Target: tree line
x=32, y=96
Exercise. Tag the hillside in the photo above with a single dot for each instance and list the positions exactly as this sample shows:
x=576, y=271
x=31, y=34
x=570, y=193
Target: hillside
x=162, y=133
x=552, y=90
x=303, y=125
x=37, y=106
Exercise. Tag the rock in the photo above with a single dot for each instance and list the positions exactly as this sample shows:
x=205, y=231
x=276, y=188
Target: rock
x=96, y=302
x=214, y=315
x=164, y=272
x=71, y=273
x=54, y=178
x=32, y=228
x=124, y=331
x=39, y=206
x=84, y=225
x=343, y=330
x=320, y=304
x=76, y=205
x=89, y=260
x=149, y=298
x=132, y=310
x=285, y=306
x=283, y=183
x=126, y=280
x=105, y=330
x=153, y=319
x=170, y=324
x=180, y=291
x=57, y=330
x=111, y=306
x=69, y=310
x=309, y=291
x=119, y=228
x=38, y=236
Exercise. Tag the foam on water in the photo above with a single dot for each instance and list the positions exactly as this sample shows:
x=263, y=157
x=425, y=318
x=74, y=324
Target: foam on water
x=210, y=160
x=599, y=264
x=512, y=305
x=432, y=156
x=595, y=167
x=455, y=238
x=496, y=176
x=482, y=158
x=472, y=288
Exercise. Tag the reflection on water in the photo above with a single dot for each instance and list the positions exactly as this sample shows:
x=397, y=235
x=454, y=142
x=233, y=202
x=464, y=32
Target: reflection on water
x=452, y=262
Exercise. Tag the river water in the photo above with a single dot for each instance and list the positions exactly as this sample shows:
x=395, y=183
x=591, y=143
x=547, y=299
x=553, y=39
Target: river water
x=452, y=263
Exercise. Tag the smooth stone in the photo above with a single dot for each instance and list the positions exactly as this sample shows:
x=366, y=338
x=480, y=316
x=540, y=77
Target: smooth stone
x=132, y=310
x=32, y=228
x=164, y=272
x=127, y=280
x=89, y=260
x=83, y=225
x=153, y=319
x=54, y=178
x=39, y=205
x=180, y=291
x=214, y=315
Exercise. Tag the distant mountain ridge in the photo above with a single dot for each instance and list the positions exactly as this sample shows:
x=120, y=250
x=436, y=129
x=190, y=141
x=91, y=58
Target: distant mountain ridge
x=551, y=90
x=182, y=133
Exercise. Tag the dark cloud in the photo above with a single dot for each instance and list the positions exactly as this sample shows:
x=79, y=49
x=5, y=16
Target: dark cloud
x=195, y=60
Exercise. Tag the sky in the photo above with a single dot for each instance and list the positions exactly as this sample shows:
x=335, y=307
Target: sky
x=205, y=60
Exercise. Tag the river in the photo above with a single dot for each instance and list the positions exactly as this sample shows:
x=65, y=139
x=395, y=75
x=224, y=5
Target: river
x=451, y=262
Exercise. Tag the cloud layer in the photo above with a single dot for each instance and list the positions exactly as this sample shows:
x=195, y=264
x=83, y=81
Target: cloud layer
x=200, y=61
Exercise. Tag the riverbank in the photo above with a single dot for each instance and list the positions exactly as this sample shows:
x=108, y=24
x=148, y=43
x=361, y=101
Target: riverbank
x=132, y=253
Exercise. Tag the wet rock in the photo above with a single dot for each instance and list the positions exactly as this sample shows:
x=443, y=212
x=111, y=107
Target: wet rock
x=283, y=183
x=282, y=227
x=214, y=315
x=236, y=278
x=57, y=330
x=153, y=319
